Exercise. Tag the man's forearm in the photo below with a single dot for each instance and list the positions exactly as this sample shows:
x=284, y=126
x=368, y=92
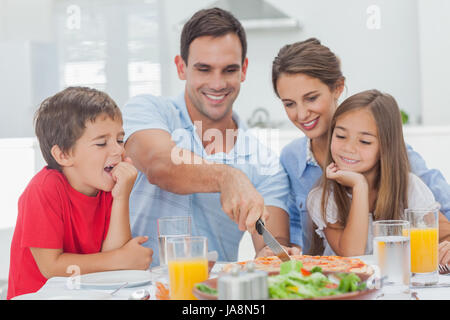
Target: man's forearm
x=197, y=176
x=172, y=168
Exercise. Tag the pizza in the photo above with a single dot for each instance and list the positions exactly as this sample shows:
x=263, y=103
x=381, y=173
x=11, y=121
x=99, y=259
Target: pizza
x=328, y=264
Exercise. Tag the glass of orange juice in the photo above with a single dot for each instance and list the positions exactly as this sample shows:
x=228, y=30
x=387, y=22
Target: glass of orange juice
x=424, y=239
x=188, y=264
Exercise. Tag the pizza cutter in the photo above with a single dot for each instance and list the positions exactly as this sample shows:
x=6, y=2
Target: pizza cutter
x=271, y=242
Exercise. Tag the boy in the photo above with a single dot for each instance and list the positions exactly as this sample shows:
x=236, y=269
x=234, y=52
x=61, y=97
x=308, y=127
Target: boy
x=74, y=212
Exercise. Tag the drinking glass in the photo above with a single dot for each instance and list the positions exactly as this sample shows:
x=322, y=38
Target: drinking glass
x=392, y=253
x=168, y=228
x=188, y=265
x=424, y=237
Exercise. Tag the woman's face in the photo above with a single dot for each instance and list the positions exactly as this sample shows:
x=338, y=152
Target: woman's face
x=309, y=103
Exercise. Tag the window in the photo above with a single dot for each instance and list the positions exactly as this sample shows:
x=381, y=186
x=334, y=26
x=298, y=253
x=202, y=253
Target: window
x=109, y=45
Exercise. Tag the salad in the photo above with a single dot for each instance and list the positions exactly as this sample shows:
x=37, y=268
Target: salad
x=296, y=282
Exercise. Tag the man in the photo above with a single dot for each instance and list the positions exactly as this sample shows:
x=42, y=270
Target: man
x=193, y=154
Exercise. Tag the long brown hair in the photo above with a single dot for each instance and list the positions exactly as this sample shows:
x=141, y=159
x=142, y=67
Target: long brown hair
x=393, y=166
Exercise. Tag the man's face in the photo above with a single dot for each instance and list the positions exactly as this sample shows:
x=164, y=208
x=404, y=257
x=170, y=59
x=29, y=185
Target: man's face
x=213, y=75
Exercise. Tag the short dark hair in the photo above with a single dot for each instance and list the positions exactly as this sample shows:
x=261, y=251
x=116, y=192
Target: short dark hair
x=213, y=22
x=61, y=119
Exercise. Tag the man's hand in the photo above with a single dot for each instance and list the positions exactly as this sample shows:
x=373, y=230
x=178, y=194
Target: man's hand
x=124, y=174
x=241, y=201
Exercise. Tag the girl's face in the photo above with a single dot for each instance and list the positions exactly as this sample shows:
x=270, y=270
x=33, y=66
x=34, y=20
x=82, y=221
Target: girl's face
x=354, y=144
x=309, y=103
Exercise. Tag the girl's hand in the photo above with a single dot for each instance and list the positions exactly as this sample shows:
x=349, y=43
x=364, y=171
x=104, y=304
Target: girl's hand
x=346, y=178
x=124, y=174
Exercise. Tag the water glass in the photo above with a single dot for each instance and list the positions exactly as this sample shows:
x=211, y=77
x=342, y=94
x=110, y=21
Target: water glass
x=188, y=265
x=169, y=228
x=391, y=245
x=423, y=232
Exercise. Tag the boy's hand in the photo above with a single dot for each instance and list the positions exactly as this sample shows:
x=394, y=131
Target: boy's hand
x=135, y=256
x=124, y=174
x=346, y=178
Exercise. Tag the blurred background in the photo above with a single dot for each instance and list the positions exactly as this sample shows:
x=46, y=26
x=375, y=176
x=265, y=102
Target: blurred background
x=127, y=47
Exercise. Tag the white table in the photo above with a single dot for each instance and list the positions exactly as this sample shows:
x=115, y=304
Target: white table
x=57, y=288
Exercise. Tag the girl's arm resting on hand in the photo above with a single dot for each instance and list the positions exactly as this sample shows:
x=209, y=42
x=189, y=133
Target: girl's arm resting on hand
x=351, y=240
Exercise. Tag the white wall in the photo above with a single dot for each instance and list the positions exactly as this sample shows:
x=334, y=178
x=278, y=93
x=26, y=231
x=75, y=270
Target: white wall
x=434, y=31
x=386, y=58
x=23, y=35
x=15, y=94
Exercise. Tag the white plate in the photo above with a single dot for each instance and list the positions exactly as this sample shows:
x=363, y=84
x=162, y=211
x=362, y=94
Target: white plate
x=65, y=295
x=367, y=259
x=114, y=279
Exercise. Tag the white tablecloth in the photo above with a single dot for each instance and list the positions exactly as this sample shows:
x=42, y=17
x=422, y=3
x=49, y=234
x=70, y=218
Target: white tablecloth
x=57, y=288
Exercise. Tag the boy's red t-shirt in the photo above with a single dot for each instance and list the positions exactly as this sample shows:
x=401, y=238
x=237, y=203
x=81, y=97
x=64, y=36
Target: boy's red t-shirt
x=53, y=215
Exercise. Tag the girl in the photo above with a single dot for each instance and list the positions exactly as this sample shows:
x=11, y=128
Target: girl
x=307, y=77
x=367, y=175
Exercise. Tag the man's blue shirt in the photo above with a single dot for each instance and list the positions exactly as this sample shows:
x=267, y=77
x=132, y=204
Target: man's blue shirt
x=148, y=202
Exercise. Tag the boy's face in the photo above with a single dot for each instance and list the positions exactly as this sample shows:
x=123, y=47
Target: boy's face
x=95, y=153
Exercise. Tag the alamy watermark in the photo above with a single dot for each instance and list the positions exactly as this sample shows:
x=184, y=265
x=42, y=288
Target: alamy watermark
x=373, y=21
x=73, y=282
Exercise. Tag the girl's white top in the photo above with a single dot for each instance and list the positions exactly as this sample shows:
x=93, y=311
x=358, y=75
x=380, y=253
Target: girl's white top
x=419, y=196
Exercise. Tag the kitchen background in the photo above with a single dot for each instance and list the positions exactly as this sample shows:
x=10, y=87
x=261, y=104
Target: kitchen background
x=127, y=47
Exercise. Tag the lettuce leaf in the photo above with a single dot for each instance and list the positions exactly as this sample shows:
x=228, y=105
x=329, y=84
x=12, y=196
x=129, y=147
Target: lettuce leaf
x=291, y=265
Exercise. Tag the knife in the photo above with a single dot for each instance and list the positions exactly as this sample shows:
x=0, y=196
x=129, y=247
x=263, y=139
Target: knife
x=271, y=242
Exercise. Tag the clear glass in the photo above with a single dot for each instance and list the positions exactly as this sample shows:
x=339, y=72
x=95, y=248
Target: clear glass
x=391, y=245
x=188, y=265
x=424, y=235
x=171, y=228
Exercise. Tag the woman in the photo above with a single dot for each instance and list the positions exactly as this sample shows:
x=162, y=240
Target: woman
x=307, y=77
